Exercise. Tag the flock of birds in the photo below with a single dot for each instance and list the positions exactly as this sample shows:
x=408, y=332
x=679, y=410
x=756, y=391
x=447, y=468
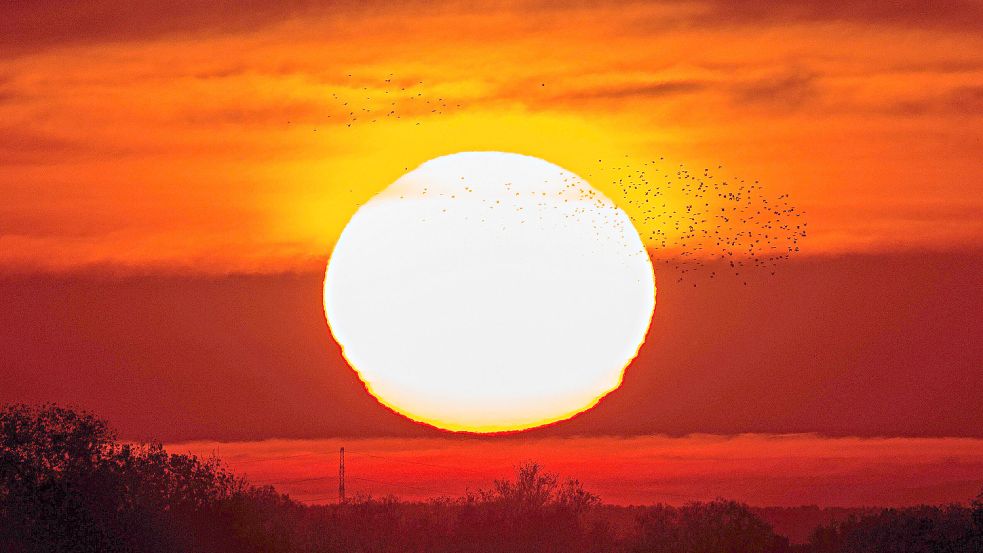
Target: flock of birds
x=695, y=223
x=700, y=223
x=391, y=99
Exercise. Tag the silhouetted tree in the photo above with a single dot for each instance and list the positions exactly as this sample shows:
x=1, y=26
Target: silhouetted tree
x=977, y=505
x=923, y=529
x=719, y=526
x=535, y=512
x=68, y=485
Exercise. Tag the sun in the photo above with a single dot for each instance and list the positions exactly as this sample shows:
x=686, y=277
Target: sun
x=489, y=291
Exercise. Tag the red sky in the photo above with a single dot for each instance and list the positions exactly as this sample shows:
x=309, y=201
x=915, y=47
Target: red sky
x=777, y=470
x=863, y=345
x=171, y=182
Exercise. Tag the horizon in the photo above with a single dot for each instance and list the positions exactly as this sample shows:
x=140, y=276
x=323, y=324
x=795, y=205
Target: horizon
x=815, y=471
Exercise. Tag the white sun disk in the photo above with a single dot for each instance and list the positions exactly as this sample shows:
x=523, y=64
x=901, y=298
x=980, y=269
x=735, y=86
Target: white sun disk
x=487, y=291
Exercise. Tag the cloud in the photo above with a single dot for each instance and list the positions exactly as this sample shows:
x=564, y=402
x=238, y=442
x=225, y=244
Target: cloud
x=30, y=26
x=269, y=112
x=792, y=89
x=967, y=99
x=813, y=348
x=962, y=15
x=27, y=27
x=33, y=147
x=958, y=101
x=629, y=90
x=570, y=90
x=963, y=100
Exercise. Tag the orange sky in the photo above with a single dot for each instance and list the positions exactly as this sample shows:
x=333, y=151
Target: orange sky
x=172, y=180
x=211, y=138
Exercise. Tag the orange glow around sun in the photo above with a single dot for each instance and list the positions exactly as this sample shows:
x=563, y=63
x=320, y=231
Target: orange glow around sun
x=281, y=127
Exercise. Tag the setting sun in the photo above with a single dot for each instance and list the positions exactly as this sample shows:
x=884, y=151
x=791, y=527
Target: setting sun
x=488, y=291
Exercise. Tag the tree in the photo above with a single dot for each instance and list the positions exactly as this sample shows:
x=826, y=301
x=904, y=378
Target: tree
x=52, y=478
x=537, y=511
x=719, y=526
x=922, y=529
x=977, y=505
x=67, y=484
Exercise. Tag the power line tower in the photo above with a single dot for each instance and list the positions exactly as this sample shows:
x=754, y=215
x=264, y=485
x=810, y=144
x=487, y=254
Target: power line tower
x=341, y=476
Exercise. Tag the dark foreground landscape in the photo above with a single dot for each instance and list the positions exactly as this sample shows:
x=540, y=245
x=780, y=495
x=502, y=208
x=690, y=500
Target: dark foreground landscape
x=68, y=484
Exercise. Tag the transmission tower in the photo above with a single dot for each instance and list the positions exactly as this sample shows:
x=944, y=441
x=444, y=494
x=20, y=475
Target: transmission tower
x=341, y=476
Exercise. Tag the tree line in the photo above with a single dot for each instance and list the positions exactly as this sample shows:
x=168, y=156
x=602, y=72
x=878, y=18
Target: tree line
x=68, y=484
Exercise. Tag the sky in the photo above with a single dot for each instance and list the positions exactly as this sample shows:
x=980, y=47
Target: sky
x=172, y=181
x=775, y=470
x=133, y=135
